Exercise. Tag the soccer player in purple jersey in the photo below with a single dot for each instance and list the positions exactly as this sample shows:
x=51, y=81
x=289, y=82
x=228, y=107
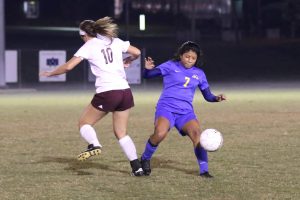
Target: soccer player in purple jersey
x=181, y=77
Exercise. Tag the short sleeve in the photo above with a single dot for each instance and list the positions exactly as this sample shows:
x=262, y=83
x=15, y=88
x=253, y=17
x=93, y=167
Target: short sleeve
x=82, y=52
x=123, y=45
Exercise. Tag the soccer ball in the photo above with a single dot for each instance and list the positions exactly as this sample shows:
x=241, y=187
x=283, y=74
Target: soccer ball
x=211, y=139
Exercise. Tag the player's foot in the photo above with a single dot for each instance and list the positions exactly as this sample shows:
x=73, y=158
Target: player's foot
x=206, y=175
x=146, y=167
x=137, y=169
x=91, y=151
x=138, y=172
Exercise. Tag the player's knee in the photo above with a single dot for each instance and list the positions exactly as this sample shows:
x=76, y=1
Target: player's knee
x=80, y=124
x=159, y=135
x=194, y=135
x=120, y=134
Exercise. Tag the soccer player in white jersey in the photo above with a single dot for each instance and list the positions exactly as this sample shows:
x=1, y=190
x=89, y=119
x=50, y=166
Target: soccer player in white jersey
x=103, y=50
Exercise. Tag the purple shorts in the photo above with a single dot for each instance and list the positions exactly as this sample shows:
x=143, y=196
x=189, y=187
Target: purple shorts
x=113, y=100
x=177, y=120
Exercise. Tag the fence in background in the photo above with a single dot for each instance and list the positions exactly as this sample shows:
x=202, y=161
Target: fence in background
x=22, y=67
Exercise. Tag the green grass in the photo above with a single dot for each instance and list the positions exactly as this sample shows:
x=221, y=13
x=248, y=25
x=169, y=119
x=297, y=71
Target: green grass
x=260, y=158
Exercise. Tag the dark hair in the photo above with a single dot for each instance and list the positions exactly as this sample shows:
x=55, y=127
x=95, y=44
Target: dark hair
x=190, y=46
x=88, y=27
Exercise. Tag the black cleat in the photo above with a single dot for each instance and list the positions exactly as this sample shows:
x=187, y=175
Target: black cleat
x=146, y=167
x=136, y=168
x=206, y=175
x=91, y=151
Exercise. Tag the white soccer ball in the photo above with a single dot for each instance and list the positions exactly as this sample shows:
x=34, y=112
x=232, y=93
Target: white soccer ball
x=211, y=139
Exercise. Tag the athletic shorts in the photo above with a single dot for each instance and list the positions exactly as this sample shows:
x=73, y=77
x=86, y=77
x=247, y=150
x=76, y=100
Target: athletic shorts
x=113, y=100
x=175, y=119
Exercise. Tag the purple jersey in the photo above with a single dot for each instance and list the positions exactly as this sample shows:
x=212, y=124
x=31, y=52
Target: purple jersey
x=179, y=87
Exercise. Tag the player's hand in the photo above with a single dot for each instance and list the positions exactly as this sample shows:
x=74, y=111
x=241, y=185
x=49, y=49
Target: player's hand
x=127, y=61
x=45, y=74
x=149, y=63
x=221, y=97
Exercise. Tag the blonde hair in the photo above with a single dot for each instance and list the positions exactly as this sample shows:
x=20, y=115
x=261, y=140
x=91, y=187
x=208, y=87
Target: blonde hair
x=106, y=27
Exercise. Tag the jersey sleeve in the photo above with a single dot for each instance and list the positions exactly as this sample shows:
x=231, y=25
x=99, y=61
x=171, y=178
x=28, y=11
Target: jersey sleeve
x=203, y=83
x=166, y=67
x=83, y=52
x=151, y=73
x=123, y=45
x=208, y=96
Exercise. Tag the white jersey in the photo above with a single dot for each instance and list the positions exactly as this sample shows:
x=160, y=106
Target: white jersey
x=106, y=62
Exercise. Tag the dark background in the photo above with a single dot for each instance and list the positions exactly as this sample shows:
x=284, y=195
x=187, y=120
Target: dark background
x=250, y=54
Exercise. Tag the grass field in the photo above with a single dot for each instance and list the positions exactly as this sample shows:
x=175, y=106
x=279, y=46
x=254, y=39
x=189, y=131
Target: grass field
x=260, y=158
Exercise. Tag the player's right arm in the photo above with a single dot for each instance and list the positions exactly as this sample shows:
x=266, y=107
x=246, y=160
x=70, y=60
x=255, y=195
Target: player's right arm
x=150, y=70
x=149, y=63
x=68, y=66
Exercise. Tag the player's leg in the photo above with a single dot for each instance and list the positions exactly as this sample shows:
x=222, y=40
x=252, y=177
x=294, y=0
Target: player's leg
x=120, y=120
x=192, y=129
x=88, y=118
x=162, y=127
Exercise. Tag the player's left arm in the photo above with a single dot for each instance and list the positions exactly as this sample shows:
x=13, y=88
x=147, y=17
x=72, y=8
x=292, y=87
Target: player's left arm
x=221, y=97
x=210, y=97
x=134, y=54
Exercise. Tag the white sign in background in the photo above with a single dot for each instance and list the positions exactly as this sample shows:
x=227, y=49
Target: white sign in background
x=11, y=66
x=133, y=72
x=49, y=60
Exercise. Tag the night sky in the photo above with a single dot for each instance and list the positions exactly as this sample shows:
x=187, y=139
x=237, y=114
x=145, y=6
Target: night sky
x=58, y=12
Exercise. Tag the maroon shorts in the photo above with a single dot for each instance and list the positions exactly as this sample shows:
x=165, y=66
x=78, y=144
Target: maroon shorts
x=113, y=100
